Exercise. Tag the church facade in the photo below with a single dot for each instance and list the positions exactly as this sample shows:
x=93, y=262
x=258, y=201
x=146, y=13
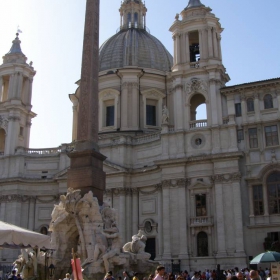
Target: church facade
x=205, y=191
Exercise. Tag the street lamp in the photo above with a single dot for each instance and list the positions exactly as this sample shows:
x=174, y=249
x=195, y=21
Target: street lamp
x=51, y=270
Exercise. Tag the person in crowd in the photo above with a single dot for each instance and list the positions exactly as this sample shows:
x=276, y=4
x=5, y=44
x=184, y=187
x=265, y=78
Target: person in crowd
x=151, y=277
x=267, y=272
x=135, y=276
x=67, y=276
x=125, y=275
x=19, y=277
x=13, y=275
x=268, y=276
x=254, y=275
x=186, y=275
x=108, y=276
x=171, y=276
x=240, y=276
x=160, y=273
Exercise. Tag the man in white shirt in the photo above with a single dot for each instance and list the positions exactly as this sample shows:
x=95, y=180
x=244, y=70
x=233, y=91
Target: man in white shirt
x=160, y=271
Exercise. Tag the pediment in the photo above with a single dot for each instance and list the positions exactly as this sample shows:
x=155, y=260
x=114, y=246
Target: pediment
x=110, y=167
x=61, y=174
x=200, y=185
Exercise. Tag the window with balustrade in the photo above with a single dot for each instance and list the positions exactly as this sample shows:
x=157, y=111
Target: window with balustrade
x=253, y=137
x=200, y=204
x=202, y=244
x=268, y=101
x=198, y=111
x=250, y=105
x=271, y=135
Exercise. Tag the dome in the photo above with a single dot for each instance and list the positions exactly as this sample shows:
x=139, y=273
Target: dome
x=134, y=47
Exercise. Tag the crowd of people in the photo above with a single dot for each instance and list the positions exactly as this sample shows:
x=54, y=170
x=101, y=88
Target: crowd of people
x=230, y=274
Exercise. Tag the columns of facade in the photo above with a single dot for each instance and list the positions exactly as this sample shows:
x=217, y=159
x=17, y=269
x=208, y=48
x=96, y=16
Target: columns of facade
x=135, y=210
x=128, y=216
x=19, y=85
x=187, y=49
x=219, y=47
x=27, y=132
x=221, y=236
x=183, y=48
x=166, y=222
x=135, y=106
x=243, y=108
x=232, y=138
x=11, y=86
x=210, y=42
x=1, y=88
x=178, y=50
x=213, y=102
x=122, y=214
x=160, y=223
x=174, y=50
x=13, y=130
x=178, y=107
x=216, y=140
x=278, y=101
x=31, y=213
x=237, y=210
x=257, y=106
x=201, y=45
x=29, y=91
x=215, y=41
x=124, y=106
x=182, y=220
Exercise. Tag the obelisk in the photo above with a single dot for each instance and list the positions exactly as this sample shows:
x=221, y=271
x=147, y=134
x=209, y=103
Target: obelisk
x=86, y=168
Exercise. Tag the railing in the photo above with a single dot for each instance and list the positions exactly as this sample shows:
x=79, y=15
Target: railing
x=198, y=221
x=48, y=151
x=198, y=124
x=225, y=120
x=194, y=64
x=171, y=128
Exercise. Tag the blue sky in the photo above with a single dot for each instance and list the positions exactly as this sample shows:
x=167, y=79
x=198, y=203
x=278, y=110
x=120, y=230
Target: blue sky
x=53, y=34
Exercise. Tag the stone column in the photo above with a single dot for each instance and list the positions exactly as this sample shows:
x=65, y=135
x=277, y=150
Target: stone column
x=31, y=213
x=13, y=131
x=216, y=140
x=11, y=86
x=160, y=223
x=121, y=224
x=238, y=221
x=19, y=85
x=213, y=102
x=257, y=106
x=210, y=42
x=182, y=226
x=178, y=49
x=243, y=108
x=27, y=132
x=128, y=216
x=219, y=47
x=135, y=101
x=216, y=53
x=1, y=88
x=124, y=105
x=201, y=45
x=135, y=210
x=178, y=107
x=175, y=50
x=166, y=222
x=219, y=200
x=187, y=48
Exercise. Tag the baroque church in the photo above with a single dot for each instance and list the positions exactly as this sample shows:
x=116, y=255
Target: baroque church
x=205, y=191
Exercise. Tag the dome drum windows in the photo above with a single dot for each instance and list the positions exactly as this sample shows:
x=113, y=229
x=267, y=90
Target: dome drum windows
x=108, y=110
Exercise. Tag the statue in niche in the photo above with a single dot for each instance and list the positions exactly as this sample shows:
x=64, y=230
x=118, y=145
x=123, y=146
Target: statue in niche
x=165, y=115
x=137, y=246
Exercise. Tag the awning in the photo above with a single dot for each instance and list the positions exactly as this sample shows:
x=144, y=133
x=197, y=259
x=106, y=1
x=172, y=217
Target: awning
x=15, y=237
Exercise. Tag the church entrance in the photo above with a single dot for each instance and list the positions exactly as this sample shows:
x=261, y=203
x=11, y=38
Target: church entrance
x=151, y=247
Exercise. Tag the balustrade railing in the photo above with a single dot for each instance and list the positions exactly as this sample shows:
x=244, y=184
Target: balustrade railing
x=201, y=220
x=194, y=64
x=48, y=151
x=198, y=124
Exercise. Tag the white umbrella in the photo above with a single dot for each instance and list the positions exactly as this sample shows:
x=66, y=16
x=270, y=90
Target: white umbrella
x=12, y=236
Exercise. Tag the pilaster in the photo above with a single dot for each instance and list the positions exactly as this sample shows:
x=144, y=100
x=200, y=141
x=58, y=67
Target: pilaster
x=210, y=42
x=166, y=223
x=135, y=209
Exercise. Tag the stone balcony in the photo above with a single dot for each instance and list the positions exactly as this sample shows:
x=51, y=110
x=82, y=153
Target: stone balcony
x=198, y=124
x=201, y=221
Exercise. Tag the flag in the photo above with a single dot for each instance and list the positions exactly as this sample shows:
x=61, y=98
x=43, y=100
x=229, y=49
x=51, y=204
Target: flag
x=18, y=30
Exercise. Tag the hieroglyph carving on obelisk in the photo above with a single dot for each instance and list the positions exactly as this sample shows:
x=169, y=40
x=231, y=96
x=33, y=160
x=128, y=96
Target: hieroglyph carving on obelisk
x=88, y=102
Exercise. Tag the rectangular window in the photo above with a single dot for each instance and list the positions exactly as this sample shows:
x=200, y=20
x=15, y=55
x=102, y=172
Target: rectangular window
x=110, y=115
x=240, y=135
x=21, y=131
x=258, y=200
x=151, y=115
x=271, y=135
x=253, y=138
x=238, y=112
x=200, y=203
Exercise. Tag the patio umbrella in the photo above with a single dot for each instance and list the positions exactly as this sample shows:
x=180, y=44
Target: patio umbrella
x=13, y=237
x=267, y=257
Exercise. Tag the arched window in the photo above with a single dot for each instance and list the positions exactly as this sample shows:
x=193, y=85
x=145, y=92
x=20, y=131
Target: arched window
x=250, y=105
x=2, y=141
x=268, y=101
x=202, y=244
x=273, y=189
x=198, y=111
x=136, y=20
x=129, y=19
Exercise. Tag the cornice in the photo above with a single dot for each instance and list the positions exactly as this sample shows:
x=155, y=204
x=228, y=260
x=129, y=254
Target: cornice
x=229, y=177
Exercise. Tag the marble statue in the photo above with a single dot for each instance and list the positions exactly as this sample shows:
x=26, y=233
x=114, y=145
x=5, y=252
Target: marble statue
x=137, y=246
x=165, y=115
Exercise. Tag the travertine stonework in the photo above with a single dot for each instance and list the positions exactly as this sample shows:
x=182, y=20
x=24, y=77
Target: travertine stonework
x=159, y=175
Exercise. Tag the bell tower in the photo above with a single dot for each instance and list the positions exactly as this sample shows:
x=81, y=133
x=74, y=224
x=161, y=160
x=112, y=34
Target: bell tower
x=16, y=77
x=198, y=72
